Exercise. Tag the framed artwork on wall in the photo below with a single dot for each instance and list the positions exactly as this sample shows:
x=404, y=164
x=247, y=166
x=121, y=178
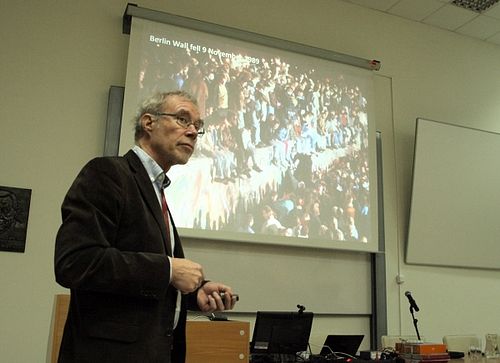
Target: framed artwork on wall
x=14, y=211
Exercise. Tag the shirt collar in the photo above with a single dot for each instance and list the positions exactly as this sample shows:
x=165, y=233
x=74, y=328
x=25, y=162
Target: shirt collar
x=154, y=170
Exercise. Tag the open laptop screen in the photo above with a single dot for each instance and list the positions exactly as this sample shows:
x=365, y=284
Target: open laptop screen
x=347, y=344
x=281, y=332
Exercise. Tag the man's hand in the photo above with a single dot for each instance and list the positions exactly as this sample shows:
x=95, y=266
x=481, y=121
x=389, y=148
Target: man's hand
x=187, y=275
x=209, y=299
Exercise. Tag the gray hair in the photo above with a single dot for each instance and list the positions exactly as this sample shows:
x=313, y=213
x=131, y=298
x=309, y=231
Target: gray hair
x=154, y=105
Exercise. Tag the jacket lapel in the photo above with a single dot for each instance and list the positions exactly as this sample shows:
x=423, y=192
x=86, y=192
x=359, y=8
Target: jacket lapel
x=149, y=195
x=178, y=251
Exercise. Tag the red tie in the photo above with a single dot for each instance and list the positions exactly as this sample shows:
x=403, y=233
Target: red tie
x=164, y=209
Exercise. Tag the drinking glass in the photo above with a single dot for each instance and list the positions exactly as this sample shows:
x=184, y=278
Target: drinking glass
x=491, y=347
x=475, y=352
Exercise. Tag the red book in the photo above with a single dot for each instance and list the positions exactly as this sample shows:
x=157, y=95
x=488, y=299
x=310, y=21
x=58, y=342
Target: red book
x=421, y=348
x=429, y=348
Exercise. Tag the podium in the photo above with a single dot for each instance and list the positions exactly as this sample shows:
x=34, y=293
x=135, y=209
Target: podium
x=217, y=341
x=207, y=341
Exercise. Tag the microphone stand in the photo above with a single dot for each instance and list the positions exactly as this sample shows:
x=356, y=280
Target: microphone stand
x=415, y=321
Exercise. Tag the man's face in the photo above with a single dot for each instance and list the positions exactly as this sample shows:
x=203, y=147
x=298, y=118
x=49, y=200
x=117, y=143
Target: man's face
x=170, y=143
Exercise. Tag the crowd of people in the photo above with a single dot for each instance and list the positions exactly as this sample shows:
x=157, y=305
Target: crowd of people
x=311, y=125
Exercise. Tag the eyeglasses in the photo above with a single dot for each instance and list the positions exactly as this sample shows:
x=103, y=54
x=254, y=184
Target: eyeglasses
x=185, y=122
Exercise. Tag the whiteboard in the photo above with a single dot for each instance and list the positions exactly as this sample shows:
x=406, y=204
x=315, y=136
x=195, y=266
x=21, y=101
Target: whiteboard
x=455, y=197
x=279, y=278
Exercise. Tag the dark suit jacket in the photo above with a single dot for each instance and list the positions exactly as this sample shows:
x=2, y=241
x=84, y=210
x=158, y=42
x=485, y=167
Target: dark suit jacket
x=111, y=251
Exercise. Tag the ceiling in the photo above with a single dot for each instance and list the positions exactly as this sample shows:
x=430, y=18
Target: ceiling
x=483, y=25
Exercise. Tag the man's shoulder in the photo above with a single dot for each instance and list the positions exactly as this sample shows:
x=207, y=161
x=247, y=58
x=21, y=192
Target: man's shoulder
x=118, y=161
x=106, y=162
x=112, y=168
x=107, y=166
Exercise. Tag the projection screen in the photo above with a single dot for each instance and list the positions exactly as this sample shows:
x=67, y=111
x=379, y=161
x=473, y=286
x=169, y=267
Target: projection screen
x=289, y=154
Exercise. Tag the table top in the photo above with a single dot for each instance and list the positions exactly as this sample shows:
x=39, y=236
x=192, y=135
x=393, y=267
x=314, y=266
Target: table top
x=466, y=359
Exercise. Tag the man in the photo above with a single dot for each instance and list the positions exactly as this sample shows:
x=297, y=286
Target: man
x=119, y=252
x=270, y=224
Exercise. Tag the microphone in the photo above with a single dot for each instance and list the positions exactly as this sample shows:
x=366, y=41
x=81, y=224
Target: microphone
x=413, y=304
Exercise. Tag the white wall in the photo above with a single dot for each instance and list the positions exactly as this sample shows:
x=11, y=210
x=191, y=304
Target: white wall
x=59, y=58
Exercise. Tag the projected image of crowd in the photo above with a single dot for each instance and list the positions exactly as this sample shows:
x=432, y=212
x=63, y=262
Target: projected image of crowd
x=288, y=145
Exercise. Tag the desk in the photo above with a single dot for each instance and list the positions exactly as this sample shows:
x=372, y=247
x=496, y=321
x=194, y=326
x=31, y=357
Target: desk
x=462, y=360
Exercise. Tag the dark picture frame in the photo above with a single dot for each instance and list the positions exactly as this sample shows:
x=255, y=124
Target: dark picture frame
x=14, y=212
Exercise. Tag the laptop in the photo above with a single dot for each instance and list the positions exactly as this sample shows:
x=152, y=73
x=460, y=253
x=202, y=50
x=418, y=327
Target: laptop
x=281, y=332
x=347, y=344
